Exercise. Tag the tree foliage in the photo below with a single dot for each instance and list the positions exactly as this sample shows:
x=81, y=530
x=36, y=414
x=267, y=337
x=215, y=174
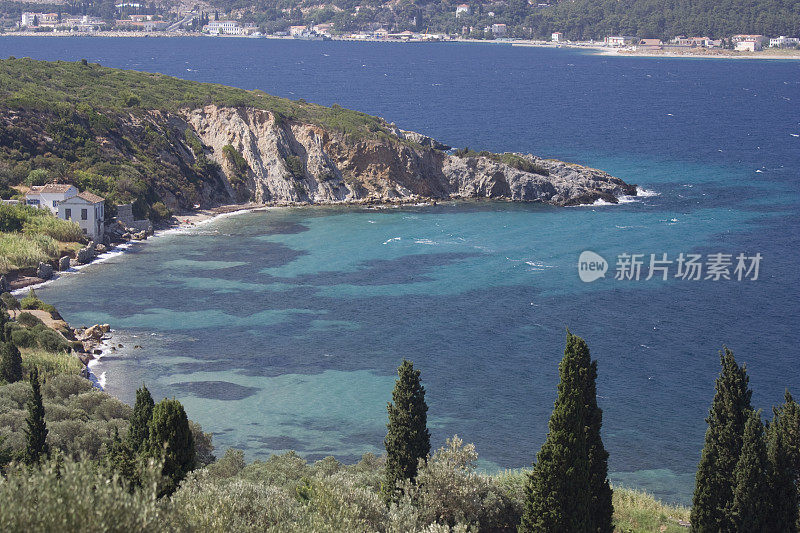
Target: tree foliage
x=139, y=430
x=407, y=440
x=36, y=447
x=10, y=363
x=171, y=441
x=730, y=409
x=751, y=495
x=568, y=488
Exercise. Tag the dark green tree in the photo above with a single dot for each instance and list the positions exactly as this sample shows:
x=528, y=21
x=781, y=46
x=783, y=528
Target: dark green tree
x=4, y=319
x=36, y=433
x=122, y=461
x=558, y=495
x=783, y=450
x=407, y=439
x=172, y=441
x=139, y=430
x=601, y=512
x=713, y=493
x=751, y=495
x=10, y=363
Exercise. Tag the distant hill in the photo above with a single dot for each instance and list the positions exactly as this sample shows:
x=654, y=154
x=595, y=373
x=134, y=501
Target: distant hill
x=577, y=19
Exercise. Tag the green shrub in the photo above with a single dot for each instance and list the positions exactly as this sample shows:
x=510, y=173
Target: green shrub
x=9, y=301
x=51, y=341
x=295, y=166
x=28, y=320
x=25, y=251
x=24, y=338
x=159, y=211
x=67, y=495
x=52, y=363
x=58, y=229
x=37, y=177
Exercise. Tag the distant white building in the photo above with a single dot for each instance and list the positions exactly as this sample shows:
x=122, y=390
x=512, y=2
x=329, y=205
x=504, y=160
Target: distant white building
x=747, y=46
x=619, y=40
x=88, y=211
x=50, y=195
x=499, y=30
x=223, y=27
x=782, y=41
x=462, y=9
x=557, y=37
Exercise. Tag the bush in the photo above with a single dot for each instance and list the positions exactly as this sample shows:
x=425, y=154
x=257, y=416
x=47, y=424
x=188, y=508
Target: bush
x=37, y=177
x=28, y=320
x=30, y=301
x=51, y=363
x=58, y=229
x=9, y=301
x=67, y=495
x=25, y=251
x=23, y=338
x=159, y=211
x=52, y=341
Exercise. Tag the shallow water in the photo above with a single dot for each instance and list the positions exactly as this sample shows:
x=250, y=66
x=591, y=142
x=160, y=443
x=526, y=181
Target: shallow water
x=282, y=329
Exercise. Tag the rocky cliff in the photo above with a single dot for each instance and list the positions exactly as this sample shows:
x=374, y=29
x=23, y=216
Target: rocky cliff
x=296, y=162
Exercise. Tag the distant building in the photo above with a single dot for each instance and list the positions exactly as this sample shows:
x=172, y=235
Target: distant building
x=650, y=44
x=783, y=41
x=88, y=211
x=50, y=195
x=223, y=27
x=462, y=9
x=756, y=38
x=618, y=40
x=557, y=37
x=747, y=46
x=298, y=31
x=499, y=30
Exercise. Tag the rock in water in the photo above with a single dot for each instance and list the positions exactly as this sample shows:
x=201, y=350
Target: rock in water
x=85, y=255
x=63, y=263
x=45, y=271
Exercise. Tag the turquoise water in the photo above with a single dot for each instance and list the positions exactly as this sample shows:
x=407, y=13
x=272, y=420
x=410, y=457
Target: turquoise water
x=282, y=329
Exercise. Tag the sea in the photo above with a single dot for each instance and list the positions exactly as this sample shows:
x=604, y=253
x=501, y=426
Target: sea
x=282, y=329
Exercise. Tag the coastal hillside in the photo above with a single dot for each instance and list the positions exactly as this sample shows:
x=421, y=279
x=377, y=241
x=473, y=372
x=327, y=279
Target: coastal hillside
x=171, y=145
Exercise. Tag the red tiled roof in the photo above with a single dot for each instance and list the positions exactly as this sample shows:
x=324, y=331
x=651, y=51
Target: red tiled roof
x=89, y=197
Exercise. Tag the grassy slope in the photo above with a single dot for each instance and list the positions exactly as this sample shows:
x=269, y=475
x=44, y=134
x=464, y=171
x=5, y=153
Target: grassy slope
x=43, y=85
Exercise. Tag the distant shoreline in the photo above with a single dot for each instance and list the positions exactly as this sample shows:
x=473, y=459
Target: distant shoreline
x=597, y=49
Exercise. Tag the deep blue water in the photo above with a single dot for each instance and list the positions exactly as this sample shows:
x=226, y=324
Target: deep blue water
x=281, y=330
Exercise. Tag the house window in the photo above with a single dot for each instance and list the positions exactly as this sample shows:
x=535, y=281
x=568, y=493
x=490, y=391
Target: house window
x=33, y=201
x=84, y=214
x=55, y=203
x=68, y=213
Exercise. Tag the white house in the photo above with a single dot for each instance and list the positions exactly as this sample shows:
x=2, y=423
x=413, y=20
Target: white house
x=224, y=27
x=747, y=46
x=557, y=37
x=462, y=9
x=618, y=40
x=50, y=195
x=780, y=42
x=87, y=210
x=499, y=30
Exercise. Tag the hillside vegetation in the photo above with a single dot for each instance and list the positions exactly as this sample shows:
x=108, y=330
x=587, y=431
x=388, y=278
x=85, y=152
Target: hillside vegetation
x=118, y=133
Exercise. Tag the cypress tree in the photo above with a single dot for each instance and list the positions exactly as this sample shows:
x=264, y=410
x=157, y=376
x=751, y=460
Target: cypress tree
x=713, y=493
x=407, y=439
x=36, y=433
x=783, y=450
x=122, y=460
x=172, y=441
x=10, y=363
x=139, y=429
x=601, y=512
x=559, y=492
x=751, y=506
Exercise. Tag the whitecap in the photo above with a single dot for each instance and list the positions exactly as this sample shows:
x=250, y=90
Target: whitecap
x=425, y=241
x=391, y=240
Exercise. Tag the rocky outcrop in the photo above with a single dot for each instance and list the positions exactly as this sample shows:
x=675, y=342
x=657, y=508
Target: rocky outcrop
x=292, y=162
x=44, y=271
x=63, y=263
